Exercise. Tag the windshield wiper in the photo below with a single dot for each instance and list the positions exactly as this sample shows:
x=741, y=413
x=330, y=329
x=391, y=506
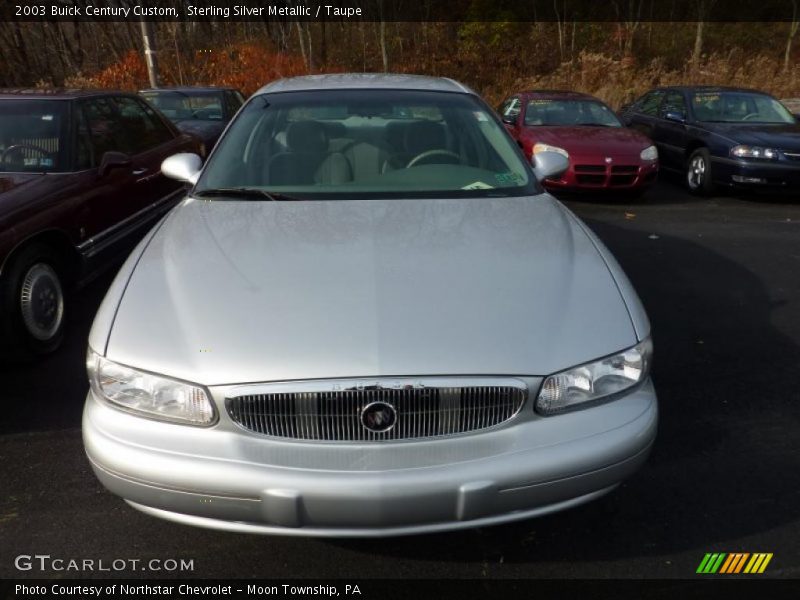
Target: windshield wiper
x=243, y=193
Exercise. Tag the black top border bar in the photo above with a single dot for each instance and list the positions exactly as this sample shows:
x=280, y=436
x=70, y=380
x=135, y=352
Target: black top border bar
x=400, y=10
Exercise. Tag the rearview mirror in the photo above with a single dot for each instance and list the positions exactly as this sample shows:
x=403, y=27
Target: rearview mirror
x=113, y=160
x=183, y=167
x=547, y=165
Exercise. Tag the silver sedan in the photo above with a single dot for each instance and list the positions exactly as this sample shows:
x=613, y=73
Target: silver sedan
x=365, y=319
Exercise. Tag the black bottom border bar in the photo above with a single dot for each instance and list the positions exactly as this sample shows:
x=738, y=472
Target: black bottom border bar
x=418, y=589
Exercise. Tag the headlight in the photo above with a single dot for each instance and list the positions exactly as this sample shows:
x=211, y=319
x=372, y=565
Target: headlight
x=754, y=152
x=548, y=148
x=649, y=153
x=147, y=394
x=595, y=381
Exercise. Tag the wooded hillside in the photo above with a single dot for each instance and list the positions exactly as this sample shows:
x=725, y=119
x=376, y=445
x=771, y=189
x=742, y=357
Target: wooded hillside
x=615, y=60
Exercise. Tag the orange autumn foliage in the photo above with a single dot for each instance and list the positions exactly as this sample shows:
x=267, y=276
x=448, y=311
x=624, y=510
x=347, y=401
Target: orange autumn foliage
x=245, y=67
x=128, y=74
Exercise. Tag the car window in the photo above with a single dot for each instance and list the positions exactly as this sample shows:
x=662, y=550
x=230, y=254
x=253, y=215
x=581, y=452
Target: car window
x=140, y=127
x=650, y=103
x=234, y=101
x=104, y=128
x=178, y=105
x=554, y=112
x=373, y=143
x=674, y=103
x=738, y=107
x=32, y=135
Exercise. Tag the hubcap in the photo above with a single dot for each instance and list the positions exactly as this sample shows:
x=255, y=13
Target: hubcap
x=697, y=172
x=41, y=301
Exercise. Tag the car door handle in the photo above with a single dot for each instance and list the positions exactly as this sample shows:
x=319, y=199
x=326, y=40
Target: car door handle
x=139, y=171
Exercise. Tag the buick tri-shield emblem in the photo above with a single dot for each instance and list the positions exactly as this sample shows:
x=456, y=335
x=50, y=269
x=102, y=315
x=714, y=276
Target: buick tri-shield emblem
x=378, y=417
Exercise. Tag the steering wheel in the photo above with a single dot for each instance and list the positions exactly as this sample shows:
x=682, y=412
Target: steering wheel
x=207, y=114
x=428, y=153
x=16, y=147
x=749, y=116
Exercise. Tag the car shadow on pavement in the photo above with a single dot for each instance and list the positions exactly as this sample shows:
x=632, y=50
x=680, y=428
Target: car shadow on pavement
x=726, y=463
x=48, y=393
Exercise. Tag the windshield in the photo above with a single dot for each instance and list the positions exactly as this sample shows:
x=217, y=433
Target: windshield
x=368, y=144
x=739, y=107
x=549, y=112
x=32, y=136
x=182, y=106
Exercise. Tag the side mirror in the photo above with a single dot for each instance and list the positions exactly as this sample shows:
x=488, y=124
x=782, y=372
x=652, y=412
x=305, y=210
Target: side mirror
x=675, y=116
x=183, y=167
x=547, y=165
x=113, y=160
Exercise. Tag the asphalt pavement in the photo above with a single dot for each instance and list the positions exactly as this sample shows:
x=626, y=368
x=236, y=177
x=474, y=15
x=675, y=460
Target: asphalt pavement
x=720, y=279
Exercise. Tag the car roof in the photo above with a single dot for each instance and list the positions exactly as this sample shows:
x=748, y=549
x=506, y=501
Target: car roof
x=56, y=93
x=556, y=95
x=708, y=88
x=343, y=81
x=188, y=89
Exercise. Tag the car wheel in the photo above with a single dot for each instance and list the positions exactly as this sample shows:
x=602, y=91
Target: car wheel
x=698, y=172
x=32, y=295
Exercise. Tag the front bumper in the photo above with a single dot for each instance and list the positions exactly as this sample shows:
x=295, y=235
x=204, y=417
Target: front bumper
x=777, y=175
x=224, y=478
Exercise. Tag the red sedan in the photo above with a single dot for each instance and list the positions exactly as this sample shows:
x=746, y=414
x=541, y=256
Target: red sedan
x=602, y=153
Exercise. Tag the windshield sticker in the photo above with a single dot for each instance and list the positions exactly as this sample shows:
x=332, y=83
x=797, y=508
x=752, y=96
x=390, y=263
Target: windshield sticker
x=706, y=97
x=508, y=178
x=47, y=117
x=478, y=185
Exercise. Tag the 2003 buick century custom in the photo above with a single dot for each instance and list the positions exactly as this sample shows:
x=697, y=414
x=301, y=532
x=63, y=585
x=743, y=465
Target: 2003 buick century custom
x=367, y=319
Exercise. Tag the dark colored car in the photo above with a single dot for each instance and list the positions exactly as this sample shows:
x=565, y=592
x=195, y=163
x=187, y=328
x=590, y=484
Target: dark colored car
x=720, y=136
x=201, y=111
x=602, y=153
x=80, y=181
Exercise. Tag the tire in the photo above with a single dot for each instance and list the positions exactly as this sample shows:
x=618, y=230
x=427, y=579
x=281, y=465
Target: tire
x=697, y=175
x=32, y=302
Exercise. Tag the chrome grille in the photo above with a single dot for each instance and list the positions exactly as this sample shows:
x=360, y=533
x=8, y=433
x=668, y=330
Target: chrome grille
x=336, y=415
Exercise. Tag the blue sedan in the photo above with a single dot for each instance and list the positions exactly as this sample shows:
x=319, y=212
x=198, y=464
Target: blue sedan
x=720, y=136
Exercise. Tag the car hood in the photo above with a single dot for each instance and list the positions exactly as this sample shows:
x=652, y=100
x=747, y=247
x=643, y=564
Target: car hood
x=585, y=140
x=783, y=137
x=236, y=292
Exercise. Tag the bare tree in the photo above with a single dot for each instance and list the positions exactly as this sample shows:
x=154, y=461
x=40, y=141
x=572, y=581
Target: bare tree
x=703, y=10
x=629, y=14
x=561, y=19
x=793, y=26
x=382, y=37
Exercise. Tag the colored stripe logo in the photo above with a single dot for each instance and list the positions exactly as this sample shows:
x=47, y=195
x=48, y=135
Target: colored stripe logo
x=734, y=563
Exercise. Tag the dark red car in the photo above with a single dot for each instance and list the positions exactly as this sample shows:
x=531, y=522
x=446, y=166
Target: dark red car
x=603, y=154
x=80, y=183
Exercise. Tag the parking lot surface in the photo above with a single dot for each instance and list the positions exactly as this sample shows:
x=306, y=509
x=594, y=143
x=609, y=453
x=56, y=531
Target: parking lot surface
x=720, y=279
